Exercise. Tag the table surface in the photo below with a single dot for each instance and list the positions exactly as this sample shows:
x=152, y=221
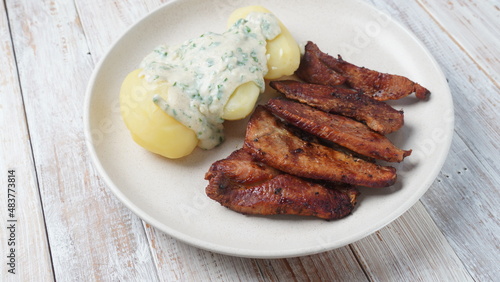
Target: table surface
x=69, y=226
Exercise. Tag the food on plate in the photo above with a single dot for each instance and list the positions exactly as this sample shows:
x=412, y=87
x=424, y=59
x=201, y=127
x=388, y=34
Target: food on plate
x=377, y=115
x=204, y=81
x=241, y=102
x=243, y=184
x=270, y=142
x=306, y=153
x=341, y=130
x=149, y=126
x=313, y=70
x=283, y=53
x=379, y=86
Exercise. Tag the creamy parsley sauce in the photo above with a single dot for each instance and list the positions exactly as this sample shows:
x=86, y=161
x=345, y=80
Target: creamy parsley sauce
x=203, y=73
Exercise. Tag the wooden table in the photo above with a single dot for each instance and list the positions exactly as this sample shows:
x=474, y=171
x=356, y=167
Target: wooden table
x=70, y=227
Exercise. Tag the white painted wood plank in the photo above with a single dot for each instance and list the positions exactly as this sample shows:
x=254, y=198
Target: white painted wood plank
x=465, y=198
x=465, y=202
x=177, y=261
x=104, y=21
x=474, y=26
x=336, y=265
x=92, y=237
x=410, y=249
x=31, y=257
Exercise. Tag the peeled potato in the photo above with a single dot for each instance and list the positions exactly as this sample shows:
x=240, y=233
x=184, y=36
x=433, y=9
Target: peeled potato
x=160, y=133
x=241, y=102
x=283, y=51
x=149, y=126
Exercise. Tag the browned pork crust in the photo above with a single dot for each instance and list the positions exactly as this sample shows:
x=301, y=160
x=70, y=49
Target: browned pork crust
x=245, y=185
x=376, y=115
x=271, y=143
x=313, y=70
x=379, y=86
x=344, y=131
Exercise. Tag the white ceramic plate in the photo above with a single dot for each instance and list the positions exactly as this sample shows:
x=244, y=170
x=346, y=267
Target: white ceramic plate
x=170, y=194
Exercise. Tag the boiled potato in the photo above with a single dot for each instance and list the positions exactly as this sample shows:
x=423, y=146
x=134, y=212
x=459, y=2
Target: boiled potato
x=241, y=102
x=149, y=126
x=283, y=51
x=160, y=133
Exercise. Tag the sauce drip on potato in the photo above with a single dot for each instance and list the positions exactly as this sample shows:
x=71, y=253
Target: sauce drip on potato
x=223, y=84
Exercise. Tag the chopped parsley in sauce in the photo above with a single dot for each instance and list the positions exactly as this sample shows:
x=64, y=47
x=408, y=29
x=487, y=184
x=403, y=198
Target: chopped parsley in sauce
x=203, y=73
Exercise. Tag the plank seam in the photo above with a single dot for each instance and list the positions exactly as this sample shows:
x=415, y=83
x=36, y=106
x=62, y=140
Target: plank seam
x=260, y=270
x=154, y=259
x=77, y=10
x=14, y=55
x=464, y=266
x=358, y=260
x=460, y=46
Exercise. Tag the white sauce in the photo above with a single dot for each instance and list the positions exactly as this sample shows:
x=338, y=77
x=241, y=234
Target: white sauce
x=203, y=73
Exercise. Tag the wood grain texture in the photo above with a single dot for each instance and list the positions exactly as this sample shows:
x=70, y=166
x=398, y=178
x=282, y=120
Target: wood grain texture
x=30, y=239
x=461, y=19
x=104, y=21
x=92, y=236
x=410, y=249
x=177, y=261
x=464, y=200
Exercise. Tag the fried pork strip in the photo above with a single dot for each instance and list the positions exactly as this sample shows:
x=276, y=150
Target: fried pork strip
x=344, y=131
x=271, y=143
x=245, y=185
x=376, y=115
x=313, y=70
x=379, y=86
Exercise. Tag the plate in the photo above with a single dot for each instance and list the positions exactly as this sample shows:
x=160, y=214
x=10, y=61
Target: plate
x=170, y=194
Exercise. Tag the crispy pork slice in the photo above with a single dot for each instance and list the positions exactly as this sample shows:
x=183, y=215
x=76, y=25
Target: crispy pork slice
x=245, y=185
x=376, y=115
x=341, y=130
x=313, y=70
x=379, y=86
x=271, y=143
